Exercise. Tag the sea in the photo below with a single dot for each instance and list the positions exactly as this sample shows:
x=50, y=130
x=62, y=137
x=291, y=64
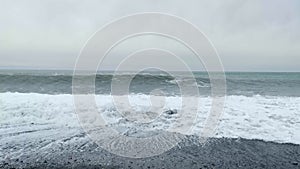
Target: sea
x=258, y=105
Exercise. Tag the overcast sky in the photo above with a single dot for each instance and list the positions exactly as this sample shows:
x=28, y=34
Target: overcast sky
x=249, y=35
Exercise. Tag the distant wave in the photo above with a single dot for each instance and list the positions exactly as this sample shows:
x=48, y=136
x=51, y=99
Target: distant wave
x=237, y=84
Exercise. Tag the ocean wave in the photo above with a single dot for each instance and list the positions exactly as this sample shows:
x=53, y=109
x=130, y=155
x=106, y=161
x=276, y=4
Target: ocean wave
x=269, y=118
x=279, y=85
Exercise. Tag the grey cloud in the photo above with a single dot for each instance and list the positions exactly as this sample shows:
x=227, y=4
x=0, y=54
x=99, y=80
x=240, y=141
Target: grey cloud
x=250, y=35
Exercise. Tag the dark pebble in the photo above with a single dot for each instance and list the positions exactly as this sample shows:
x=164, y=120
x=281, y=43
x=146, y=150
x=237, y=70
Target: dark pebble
x=170, y=112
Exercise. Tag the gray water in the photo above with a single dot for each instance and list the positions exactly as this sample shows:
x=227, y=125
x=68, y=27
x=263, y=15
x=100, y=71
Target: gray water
x=238, y=83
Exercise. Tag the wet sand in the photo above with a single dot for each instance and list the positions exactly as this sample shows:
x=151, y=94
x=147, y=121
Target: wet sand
x=217, y=153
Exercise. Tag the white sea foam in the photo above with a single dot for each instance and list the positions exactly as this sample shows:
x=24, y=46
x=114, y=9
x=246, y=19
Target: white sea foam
x=259, y=117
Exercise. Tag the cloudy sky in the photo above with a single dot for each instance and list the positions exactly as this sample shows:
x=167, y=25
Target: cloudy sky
x=249, y=35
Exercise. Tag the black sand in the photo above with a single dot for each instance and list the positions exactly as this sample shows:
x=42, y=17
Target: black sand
x=218, y=153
